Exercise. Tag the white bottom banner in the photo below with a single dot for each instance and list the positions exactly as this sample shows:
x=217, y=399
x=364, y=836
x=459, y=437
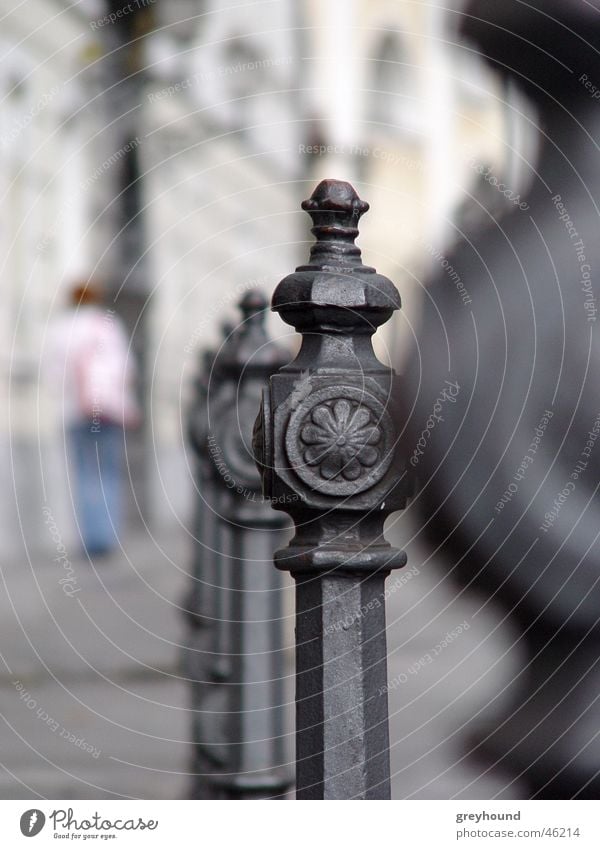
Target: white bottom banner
x=230, y=824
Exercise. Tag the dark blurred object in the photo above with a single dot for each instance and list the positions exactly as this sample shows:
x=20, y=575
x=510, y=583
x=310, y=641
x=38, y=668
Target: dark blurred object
x=544, y=45
x=509, y=476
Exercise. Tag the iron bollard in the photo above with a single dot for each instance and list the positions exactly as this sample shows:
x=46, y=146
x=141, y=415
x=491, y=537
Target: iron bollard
x=208, y=692
x=235, y=600
x=328, y=452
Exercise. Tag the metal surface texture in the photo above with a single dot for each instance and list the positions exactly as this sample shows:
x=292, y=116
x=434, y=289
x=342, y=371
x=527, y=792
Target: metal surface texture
x=328, y=451
x=234, y=606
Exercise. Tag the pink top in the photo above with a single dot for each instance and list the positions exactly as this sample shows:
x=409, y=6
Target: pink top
x=90, y=359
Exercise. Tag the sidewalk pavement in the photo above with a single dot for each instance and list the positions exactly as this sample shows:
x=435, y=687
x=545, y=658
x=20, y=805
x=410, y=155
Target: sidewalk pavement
x=90, y=694
x=93, y=704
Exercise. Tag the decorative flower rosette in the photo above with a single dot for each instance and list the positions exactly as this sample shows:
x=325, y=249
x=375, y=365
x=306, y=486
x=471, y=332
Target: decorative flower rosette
x=337, y=440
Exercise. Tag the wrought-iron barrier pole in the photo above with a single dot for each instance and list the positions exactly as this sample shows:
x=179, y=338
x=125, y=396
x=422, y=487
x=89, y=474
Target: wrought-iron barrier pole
x=236, y=598
x=208, y=693
x=327, y=448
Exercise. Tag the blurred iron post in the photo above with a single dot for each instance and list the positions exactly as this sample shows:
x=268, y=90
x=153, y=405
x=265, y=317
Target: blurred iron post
x=208, y=693
x=326, y=445
x=235, y=600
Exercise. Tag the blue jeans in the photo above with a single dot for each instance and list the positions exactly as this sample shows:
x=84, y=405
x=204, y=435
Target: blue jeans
x=97, y=454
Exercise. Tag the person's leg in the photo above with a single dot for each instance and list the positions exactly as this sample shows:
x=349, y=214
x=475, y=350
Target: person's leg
x=110, y=452
x=97, y=471
x=87, y=493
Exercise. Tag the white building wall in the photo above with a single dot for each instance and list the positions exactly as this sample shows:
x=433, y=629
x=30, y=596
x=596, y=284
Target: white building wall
x=43, y=158
x=220, y=221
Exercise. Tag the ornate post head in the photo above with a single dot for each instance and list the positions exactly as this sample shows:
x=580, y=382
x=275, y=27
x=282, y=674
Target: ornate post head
x=325, y=441
x=238, y=372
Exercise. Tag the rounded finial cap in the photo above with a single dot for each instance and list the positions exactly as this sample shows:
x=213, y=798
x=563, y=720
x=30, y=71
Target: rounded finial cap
x=335, y=195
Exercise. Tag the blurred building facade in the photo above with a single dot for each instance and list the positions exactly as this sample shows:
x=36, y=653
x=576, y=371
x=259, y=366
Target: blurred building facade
x=52, y=184
x=165, y=147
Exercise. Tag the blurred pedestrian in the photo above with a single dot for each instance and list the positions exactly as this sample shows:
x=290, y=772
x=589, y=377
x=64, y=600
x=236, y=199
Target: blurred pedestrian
x=91, y=357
